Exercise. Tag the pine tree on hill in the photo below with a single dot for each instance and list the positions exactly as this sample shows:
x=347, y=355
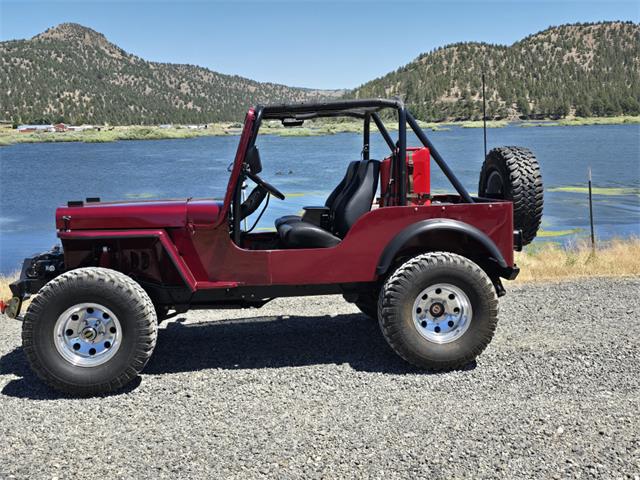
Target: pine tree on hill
x=73, y=74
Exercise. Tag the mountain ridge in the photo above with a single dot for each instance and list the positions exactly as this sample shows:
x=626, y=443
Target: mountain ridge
x=574, y=69
x=75, y=74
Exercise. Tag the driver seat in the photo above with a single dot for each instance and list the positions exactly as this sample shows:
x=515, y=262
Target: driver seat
x=356, y=200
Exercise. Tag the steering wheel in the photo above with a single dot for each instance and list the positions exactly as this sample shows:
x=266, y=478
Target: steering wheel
x=267, y=186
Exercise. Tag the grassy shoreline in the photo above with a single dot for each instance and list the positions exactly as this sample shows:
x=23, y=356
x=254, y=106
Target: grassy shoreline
x=551, y=261
x=138, y=132
x=548, y=262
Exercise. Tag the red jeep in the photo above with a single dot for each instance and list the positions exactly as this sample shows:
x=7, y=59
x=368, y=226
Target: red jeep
x=427, y=267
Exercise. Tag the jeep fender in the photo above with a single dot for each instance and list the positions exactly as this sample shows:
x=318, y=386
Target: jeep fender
x=417, y=237
x=169, y=248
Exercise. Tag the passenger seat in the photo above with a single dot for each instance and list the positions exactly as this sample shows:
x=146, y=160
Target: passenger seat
x=334, y=197
x=355, y=202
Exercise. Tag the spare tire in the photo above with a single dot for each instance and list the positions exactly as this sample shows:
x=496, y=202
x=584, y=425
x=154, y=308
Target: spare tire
x=513, y=173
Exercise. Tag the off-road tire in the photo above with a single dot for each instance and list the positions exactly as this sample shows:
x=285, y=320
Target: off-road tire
x=116, y=291
x=519, y=174
x=396, y=301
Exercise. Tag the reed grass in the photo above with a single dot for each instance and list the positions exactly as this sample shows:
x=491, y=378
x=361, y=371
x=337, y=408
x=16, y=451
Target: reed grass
x=581, y=121
x=480, y=124
x=5, y=280
x=620, y=120
x=552, y=261
x=310, y=128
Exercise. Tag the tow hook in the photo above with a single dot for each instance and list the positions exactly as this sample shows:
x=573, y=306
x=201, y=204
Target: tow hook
x=11, y=308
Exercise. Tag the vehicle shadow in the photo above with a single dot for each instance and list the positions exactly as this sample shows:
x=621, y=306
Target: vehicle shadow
x=30, y=386
x=247, y=343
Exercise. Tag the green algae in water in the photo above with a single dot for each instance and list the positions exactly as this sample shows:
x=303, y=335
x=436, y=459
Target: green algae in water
x=557, y=233
x=598, y=190
x=141, y=195
x=296, y=194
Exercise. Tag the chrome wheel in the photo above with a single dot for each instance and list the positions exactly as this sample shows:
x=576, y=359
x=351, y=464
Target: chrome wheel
x=87, y=334
x=442, y=313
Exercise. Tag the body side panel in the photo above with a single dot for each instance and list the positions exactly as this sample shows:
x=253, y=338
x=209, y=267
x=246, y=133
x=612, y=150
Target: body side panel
x=355, y=259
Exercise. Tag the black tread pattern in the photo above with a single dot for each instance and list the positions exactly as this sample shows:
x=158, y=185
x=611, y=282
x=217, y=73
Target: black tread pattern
x=129, y=290
x=526, y=189
x=392, y=295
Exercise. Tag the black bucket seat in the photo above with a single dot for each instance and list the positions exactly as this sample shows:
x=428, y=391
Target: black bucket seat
x=332, y=200
x=355, y=201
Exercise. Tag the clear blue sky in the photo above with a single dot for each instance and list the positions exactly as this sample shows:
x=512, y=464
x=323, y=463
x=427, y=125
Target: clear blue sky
x=303, y=43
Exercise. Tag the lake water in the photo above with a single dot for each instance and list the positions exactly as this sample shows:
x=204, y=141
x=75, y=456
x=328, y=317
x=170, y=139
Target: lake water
x=35, y=178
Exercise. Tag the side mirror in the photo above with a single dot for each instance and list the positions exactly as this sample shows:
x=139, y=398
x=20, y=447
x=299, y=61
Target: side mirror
x=252, y=159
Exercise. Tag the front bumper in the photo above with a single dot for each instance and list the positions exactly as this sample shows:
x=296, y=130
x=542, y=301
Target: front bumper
x=36, y=272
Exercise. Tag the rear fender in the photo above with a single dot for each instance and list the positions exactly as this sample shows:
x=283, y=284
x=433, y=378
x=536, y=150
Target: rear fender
x=446, y=235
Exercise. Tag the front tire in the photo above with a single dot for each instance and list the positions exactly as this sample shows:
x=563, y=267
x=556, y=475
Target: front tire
x=438, y=311
x=89, y=331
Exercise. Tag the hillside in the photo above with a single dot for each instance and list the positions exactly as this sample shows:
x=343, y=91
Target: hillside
x=583, y=69
x=71, y=73
x=75, y=74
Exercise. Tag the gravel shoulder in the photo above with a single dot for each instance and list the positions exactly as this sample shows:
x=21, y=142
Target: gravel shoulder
x=307, y=388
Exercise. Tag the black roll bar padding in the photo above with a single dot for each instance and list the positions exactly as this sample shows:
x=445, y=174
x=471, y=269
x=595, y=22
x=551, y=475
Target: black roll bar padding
x=402, y=155
x=383, y=132
x=366, y=137
x=439, y=160
x=357, y=106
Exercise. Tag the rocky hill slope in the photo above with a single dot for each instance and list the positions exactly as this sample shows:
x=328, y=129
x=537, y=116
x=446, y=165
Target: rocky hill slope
x=585, y=69
x=74, y=74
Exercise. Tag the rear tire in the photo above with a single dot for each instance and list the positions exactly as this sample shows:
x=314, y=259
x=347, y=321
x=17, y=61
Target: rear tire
x=513, y=173
x=89, y=331
x=438, y=311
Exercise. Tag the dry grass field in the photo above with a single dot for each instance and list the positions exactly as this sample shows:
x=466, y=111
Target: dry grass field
x=552, y=262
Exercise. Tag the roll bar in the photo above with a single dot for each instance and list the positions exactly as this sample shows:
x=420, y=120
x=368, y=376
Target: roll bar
x=439, y=160
x=367, y=110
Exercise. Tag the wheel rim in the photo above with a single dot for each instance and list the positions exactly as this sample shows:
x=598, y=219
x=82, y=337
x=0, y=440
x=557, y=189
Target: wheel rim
x=87, y=334
x=442, y=313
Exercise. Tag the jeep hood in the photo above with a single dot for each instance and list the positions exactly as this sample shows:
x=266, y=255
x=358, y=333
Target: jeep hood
x=137, y=214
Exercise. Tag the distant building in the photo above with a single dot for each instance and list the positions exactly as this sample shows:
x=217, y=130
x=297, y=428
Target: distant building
x=35, y=128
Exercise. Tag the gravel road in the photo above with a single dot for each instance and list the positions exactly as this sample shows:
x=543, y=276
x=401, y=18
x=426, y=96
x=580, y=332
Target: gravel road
x=318, y=394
